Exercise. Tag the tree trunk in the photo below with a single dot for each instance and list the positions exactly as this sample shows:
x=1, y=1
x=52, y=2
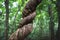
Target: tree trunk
x=58, y=10
x=25, y=28
x=24, y=31
x=51, y=23
x=7, y=18
x=29, y=8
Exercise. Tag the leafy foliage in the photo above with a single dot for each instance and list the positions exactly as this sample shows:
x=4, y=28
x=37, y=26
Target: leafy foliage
x=41, y=22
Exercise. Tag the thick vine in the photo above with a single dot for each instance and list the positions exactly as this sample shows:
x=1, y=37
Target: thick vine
x=25, y=27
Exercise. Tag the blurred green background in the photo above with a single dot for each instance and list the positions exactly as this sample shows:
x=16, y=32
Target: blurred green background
x=41, y=29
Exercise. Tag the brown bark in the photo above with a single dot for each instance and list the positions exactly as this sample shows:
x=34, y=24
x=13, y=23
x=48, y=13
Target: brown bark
x=25, y=27
x=30, y=7
x=27, y=19
x=24, y=31
x=21, y=33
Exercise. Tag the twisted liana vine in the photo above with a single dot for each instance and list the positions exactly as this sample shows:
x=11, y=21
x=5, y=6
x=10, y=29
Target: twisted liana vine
x=25, y=26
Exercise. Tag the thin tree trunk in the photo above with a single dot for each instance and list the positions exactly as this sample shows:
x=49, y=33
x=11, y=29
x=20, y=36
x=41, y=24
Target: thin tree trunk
x=58, y=10
x=51, y=23
x=7, y=18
